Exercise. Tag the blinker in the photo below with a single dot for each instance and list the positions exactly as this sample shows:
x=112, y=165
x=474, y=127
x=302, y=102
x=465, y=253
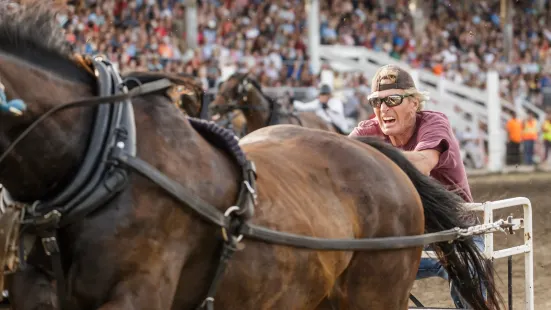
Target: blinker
x=14, y=106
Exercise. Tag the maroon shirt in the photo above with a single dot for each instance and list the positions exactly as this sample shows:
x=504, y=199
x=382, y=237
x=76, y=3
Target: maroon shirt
x=432, y=131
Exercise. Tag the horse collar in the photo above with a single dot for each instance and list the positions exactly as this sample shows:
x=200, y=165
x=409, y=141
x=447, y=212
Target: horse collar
x=97, y=180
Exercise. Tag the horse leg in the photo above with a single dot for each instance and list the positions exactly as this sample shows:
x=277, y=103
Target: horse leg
x=380, y=280
x=31, y=289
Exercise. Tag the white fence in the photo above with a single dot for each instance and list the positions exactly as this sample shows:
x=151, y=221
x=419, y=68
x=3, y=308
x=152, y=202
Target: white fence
x=357, y=58
x=445, y=94
x=464, y=106
x=525, y=249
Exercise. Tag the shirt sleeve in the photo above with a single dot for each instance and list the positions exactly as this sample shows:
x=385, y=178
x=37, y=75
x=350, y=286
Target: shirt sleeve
x=306, y=106
x=436, y=134
x=336, y=106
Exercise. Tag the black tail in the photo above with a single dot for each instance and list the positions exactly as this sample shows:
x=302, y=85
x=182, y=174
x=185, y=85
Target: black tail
x=463, y=261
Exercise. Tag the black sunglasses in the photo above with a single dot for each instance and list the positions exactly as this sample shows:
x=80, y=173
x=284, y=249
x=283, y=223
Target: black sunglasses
x=390, y=101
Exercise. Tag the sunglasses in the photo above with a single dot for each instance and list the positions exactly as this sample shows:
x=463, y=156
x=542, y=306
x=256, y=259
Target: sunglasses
x=390, y=101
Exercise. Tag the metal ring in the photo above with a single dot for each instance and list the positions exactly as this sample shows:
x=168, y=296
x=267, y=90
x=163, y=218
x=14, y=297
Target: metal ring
x=238, y=239
x=225, y=236
x=230, y=210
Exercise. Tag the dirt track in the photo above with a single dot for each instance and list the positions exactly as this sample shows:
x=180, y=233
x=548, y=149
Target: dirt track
x=536, y=187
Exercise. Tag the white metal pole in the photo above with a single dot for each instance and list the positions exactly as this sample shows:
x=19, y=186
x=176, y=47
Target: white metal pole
x=313, y=11
x=496, y=140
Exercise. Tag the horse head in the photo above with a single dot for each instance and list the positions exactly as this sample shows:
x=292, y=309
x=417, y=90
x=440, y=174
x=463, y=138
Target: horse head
x=241, y=92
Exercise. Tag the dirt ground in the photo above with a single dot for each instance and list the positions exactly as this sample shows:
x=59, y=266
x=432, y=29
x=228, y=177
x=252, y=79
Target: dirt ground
x=434, y=292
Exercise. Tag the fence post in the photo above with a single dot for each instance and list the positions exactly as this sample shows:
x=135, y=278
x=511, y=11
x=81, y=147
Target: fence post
x=496, y=143
x=314, y=43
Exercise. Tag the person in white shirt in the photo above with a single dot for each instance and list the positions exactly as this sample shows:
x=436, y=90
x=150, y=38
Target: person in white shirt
x=328, y=108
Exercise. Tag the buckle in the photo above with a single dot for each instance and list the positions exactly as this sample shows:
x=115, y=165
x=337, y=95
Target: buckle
x=252, y=192
x=50, y=245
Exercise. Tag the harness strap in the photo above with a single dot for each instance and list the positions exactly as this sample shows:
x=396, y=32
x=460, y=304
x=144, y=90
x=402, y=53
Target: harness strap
x=361, y=244
x=51, y=248
x=138, y=91
x=252, y=231
x=174, y=189
x=415, y=301
x=228, y=249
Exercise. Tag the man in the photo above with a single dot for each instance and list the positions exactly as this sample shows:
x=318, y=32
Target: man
x=470, y=143
x=546, y=130
x=425, y=137
x=514, y=131
x=328, y=108
x=529, y=137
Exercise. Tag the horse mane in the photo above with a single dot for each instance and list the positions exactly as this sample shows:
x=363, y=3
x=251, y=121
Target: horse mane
x=32, y=33
x=32, y=26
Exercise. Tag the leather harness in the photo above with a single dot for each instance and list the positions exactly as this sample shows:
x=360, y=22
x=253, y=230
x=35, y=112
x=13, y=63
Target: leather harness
x=243, y=87
x=111, y=156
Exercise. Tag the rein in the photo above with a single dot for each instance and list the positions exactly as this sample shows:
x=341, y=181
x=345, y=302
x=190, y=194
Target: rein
x=111, y=156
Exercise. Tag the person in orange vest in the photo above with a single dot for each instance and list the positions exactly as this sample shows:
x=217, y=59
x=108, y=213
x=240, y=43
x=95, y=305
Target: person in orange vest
x=514, y=130
x=546, y=129
x=529, y=137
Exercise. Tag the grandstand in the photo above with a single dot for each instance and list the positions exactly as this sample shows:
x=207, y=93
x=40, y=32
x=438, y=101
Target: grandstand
x=293, y=46
x=456, y=50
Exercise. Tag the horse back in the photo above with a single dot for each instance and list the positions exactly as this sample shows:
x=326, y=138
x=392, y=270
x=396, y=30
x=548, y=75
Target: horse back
x=348, y=181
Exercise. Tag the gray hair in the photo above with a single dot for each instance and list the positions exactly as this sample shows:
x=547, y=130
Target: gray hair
x=421, y=96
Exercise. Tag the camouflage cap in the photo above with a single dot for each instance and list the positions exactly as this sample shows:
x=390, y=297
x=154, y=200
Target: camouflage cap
x=391, y=77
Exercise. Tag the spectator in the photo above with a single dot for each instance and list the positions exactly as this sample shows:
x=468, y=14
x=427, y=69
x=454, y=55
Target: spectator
x=529, y=137
x=514, y=130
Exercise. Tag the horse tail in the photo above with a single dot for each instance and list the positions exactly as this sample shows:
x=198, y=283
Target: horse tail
x=444, y=210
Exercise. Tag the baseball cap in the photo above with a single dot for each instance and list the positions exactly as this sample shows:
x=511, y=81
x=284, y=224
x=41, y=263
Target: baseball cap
x=325, y=89
x=391, y=77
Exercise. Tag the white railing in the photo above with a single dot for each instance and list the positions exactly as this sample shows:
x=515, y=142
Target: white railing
x=445, y=94
x=524, y=223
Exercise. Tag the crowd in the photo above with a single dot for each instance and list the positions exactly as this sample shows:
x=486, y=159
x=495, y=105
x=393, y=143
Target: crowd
x=461, y=39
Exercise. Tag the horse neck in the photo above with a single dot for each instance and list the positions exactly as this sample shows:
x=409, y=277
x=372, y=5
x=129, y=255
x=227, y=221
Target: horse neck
x=46, y=159
x=166, y=140
x=260, y=111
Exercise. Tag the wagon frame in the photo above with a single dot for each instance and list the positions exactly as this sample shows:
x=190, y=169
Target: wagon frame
x=524, y=223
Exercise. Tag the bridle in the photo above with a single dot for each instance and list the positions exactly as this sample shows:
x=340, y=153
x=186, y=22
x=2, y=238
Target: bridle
x=111, y=157
x=240, y=101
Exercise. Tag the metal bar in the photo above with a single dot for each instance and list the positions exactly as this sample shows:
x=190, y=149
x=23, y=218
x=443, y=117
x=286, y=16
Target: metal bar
x=510, y=280
x=526, y=249
x=521, y=249
x=528, y=257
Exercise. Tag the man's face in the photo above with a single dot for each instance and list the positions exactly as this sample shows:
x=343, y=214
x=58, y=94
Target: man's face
x=397, y=120
x=323, y=98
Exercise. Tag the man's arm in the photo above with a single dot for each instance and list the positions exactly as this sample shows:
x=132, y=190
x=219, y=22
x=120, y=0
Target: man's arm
x=306, y=106
x=424, y=160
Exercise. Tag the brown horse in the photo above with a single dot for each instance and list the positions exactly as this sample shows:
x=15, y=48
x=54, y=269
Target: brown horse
x=188, y=94
x=240, y=92
x=127, y=200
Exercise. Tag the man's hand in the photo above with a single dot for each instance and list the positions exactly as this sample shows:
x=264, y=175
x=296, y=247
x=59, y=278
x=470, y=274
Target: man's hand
x=424, y=160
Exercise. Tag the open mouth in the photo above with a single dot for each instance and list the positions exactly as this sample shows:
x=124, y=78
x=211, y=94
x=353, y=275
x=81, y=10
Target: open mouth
x=389, y=120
